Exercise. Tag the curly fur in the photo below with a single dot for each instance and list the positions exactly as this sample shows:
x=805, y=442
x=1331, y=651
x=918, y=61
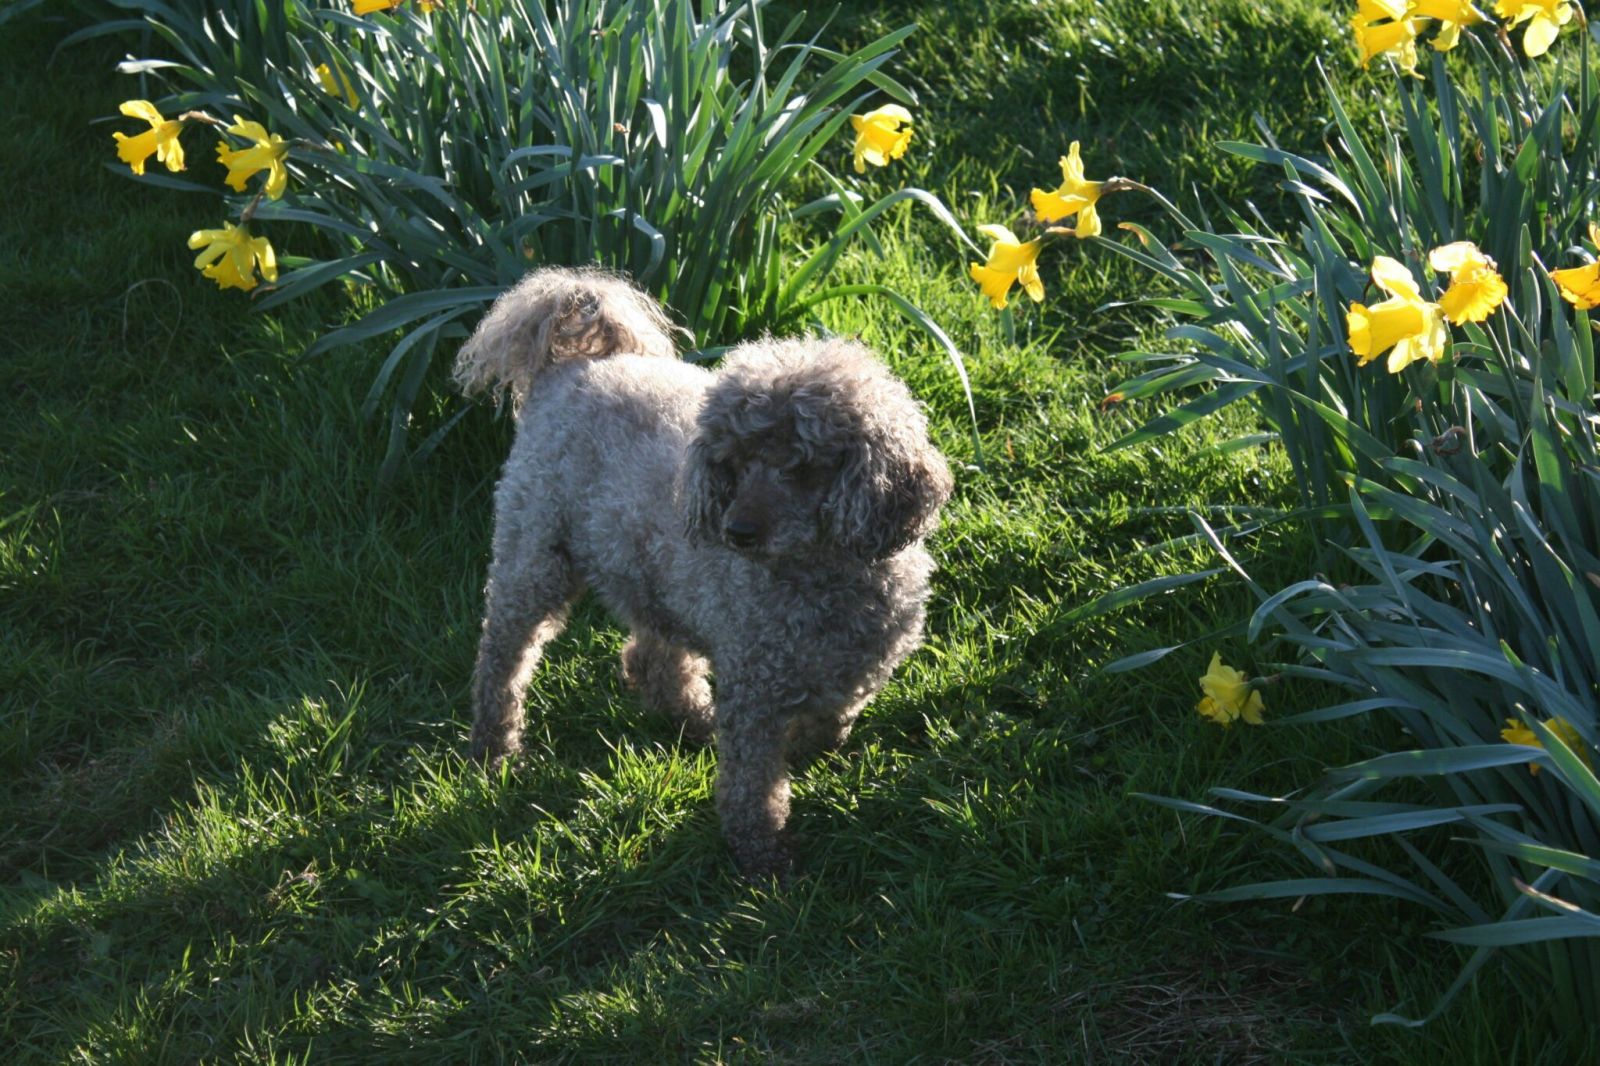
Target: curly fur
x=764, y=522
x=557, y=314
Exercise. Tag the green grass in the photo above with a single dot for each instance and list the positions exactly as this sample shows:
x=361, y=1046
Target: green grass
x=235, y=820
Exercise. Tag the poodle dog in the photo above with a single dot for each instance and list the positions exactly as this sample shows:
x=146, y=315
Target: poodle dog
x=762, y=524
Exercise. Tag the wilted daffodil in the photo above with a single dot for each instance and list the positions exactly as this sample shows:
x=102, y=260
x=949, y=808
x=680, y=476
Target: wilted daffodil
x=1452, y=15
x=1406, y=323
x=1518, y=732
x=161, y=138
x=1544, y=18
x=1397, y=37
x=1076, y=196
x=267, y=154
x=231, y=256
x=1476, y=288
x=1580, y=286
x=882, y=135
x=1228, y=695
x=1011, y=262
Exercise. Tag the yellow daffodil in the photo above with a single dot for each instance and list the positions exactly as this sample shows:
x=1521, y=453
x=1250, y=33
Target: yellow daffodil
x=1406, y=323
x=1076, y=196
x=1397, y=38
x=231, y=256
x=1228, y=695
x=882, y=135
x=1451, y=15
x=1518, y=732
x=335, y=83
x=1580, y=286
x=1011, y=262
x=367, y=7
x=267, y=154
x=1544, y=18
x=1476, y=288
x=161, y=138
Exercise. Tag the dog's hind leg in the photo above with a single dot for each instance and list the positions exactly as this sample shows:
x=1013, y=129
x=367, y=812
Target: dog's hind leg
x=526, y=606
x=812, y=736
x=671, y=681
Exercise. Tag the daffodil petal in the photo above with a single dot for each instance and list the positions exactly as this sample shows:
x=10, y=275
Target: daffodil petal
x=1454, y=256
x=1072, y=164
x=1393, y=277
x=1373, y=10
x=1088, y=223
x=136, y=149
x=1539, y=36
x=995, y=284
x=998, y=233
x=142, y=109
x=1473, y=296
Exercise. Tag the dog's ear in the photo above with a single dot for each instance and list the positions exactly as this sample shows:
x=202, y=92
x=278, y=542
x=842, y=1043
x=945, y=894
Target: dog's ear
x=892, y=485
x=887, y=498
x=705, y=489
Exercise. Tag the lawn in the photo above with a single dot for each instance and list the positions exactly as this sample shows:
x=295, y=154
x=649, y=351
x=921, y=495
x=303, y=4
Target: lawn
x=236, y=820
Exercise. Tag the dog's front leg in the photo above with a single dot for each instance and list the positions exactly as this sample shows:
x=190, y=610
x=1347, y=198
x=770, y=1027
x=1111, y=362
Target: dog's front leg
x=753, y=782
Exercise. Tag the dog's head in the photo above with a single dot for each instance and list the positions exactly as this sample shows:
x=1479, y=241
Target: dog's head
x=811, y=446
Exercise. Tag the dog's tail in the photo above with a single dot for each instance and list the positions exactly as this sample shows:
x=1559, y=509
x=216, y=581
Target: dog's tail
x=557, y=314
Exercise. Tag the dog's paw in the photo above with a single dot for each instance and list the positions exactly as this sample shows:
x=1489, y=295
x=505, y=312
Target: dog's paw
x=696, y=732
x=492, y=751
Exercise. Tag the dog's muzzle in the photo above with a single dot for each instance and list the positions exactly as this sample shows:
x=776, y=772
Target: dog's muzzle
x=741, y=532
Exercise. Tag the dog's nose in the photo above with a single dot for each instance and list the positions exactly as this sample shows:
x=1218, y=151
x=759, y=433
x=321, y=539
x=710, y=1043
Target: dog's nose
x=741, y=531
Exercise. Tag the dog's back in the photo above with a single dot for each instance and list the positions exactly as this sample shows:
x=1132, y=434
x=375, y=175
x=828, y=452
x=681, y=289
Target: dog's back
x=600, y=446
x=622, y=420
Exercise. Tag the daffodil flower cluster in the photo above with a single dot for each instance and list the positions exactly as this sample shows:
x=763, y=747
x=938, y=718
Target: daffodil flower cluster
x=884, y=134
x=1391, y=27
x=1410, y=328
x=1012, y=261
x=234, y=257
x=231, y=256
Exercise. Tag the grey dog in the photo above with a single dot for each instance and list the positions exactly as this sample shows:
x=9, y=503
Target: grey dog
x=762, y=524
